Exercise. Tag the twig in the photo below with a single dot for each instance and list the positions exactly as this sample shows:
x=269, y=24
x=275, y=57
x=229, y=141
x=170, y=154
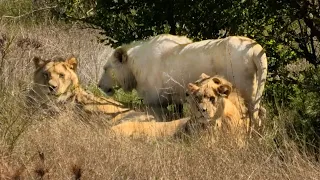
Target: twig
x=172, y=79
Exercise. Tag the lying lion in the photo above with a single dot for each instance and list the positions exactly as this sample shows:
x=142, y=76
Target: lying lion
x=215, y=106
x=214, y=99
x=56, y=80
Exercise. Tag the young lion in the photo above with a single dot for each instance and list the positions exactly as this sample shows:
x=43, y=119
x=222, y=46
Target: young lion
x=56, y=80
x=214, y=103
x=213, y=98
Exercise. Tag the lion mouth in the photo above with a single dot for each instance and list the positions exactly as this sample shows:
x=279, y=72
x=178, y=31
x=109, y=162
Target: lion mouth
x=53, y=93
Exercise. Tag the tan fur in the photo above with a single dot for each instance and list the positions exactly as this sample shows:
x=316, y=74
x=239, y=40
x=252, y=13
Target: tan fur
x=215, y=99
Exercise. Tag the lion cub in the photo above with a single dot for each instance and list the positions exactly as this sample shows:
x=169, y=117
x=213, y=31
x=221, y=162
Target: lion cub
x=214, y=99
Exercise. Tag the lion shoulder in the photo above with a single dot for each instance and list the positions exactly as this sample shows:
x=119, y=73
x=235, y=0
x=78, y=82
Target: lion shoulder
x=236, y=111
x=237, y=100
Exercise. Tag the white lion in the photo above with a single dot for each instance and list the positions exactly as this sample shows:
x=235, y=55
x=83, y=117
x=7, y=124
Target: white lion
x=160, y=68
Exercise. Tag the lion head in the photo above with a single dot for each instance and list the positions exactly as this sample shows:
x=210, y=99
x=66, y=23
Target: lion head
x=54, y=78
x=117, y=73
x=206, y=94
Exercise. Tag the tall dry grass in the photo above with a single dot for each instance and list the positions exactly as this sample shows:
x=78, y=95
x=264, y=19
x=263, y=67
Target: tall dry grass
x=66, y=145
x=60, y=147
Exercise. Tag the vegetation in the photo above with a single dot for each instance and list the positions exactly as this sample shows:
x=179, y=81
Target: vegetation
x=33, y=144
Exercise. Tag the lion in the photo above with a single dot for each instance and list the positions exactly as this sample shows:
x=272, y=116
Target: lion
x=216, y=107
x=215, y=99
x=56, y=80
x=161, y=68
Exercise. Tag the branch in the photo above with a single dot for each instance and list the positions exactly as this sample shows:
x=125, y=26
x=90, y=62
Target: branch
x=314, y=30
x=304, y=14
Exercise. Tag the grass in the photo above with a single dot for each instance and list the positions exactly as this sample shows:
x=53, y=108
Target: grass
x=35, y=145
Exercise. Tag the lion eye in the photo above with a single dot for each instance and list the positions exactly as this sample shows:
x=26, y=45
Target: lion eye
x=199, y=97
x=212, y=99
x=61, y=75
x=45, y=75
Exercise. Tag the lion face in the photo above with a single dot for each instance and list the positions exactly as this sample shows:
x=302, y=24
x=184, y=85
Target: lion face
x=206, y=96
x=117, y=73
x=54, y=77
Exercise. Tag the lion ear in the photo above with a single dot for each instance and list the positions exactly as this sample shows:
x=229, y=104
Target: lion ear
x=121, y=55
x=193, y=88
x=204, y=76
x=216, y=80
x=38, y=62
x=224, y=90
x=72, y=62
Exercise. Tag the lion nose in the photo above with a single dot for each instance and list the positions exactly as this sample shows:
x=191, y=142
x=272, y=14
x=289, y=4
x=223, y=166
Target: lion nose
x=204, y=109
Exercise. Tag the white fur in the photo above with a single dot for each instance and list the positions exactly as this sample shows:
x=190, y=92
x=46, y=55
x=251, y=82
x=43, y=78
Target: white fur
x=165, y=64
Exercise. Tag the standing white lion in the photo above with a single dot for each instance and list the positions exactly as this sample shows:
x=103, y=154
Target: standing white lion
x=161, y=67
